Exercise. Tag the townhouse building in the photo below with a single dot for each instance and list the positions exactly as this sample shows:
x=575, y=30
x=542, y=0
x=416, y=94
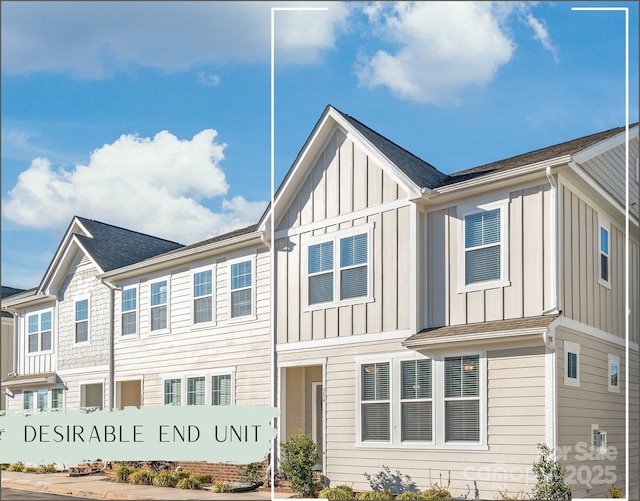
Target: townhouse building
x=436, y=324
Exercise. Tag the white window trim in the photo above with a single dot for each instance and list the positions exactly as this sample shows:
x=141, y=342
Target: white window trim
x=604, y=223
x=336, y=237
x=253, y=315
x=212, y=322
x=437, y=397
x=473, y=208
x=26, y=331
x=167, y=329
x=88, y=382
x=183, y=376
x=573, y=348
x=613, y=359
x=75, y=322
x=137, y=312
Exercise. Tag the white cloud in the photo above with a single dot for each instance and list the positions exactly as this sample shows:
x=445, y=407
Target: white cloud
x=208, y=80
x=97, y=39
x=154, y=185
x=443, y=48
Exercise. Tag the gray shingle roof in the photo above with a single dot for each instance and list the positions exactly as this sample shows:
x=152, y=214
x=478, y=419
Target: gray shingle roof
x=114, y=247
x=10, y=291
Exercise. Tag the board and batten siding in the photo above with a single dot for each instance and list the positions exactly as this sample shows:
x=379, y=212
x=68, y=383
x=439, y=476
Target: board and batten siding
x=608, y=169
x=529, y=266
x=241, y=346
x=584, y=298
x=516, y=423
x=593, y=403
x=345, y=182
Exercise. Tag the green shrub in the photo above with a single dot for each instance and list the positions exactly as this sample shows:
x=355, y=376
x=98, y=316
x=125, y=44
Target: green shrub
x=347, y=488
x=549, y=473
x=335, y=493
x=614, y=492
x=30, y=469
x=121, y=473
x=251, y=473
x=4, y=466
x=221, y=487
x=16, y=467
x=181, y=474
x=300, y=456
x=188, y=483
x=203, y=478
x=49, y=468
x=409, y=496
x=437, y=491
x=141, y=477
x=165, y=479
x=375, y=496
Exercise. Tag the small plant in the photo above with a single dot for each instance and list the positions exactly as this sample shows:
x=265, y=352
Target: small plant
x=121, y=473
x=141, y=477
x=505, y=495
x=4, y=466
x=30, y=469
x=335, y=493
x=395, y=482
x=347, y=488
x=375, y=496
x=251, y=473
x=203, y=478
x=182, y=474
x=188, y=483
x=221, y=487
x=134, y=465
x=300, y=456
x=614, y=492
x=16, y=467
x=437, y=490
x=49, y=468
x=165, y=479
x=409, y=496
x=550, y=477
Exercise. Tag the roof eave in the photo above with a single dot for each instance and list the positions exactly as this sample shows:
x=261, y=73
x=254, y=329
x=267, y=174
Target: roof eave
x=485, y=338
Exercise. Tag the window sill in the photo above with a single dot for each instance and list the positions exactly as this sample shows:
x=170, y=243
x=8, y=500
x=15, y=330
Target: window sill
x=158, y=332
x=36, y=353
x=202, y=326
x=424, y=447
x=575, y=383
x=480, y=286
x=241, y=320
x=604, y=284
x=127, y=337
x=338, y=304
x=81, y=343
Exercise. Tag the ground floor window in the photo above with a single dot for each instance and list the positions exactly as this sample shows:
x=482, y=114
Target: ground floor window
x=205, y=389
x=42, y=399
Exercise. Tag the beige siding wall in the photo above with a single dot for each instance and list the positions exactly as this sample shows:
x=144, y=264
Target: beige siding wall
x=608, y=169
x=593, y=403
x=239, y=346
x=529, y=266
x=516, y=422
x=340, y=188
x=584, y=298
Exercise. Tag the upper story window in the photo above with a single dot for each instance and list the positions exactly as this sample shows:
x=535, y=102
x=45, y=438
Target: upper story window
x=82, y=320
x=613, y=373
x=338, y=268
x=129, y=311
x=241, y=288
x=159, y=301
x=605, y=265
x=484, y=247
x=39, y=332
x=202, y=296
x=571, y=364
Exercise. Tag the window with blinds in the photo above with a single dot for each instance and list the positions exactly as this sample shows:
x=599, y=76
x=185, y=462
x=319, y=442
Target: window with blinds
x=82, y=320
x=39, y=329
x=221, y=389
x=353, y=266
x=462, y=399
x=482, y=246
x=241, y=289
x=159, y=296
x=203, y=296
x=416, y=406
x=129, y=311
x=195, y=390
x=173, y=391
x=375, y=402
x=321, y=273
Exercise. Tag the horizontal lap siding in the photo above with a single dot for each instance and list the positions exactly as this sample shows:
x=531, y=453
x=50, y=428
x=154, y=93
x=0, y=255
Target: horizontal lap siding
x=516, y=422
x=529, y=266
x=593, y=403
x=241, y=345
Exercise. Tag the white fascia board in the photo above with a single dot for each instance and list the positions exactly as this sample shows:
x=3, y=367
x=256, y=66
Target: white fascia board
x=13, y=304
x=603, y=146
x=179, y=257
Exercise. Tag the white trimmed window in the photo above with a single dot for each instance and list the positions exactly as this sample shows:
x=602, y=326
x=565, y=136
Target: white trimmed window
x=613, y=373
x=241, y=288
x=39, y=332
x=173, y=391
x=82, y=320
x=375, y=398
x=604, y=246
x=42, y=399
x=129, y=311
x=221, y=389
x=483, y=246
x=195, y=390
x=571, y=364
x=159, y=303
x=338, y=267
x=462, y=398
x=57, y=399
x=416, y=405
x=28, y=400
x=202, y=296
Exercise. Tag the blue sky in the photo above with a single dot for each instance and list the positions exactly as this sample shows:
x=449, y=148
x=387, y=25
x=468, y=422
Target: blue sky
x=155, y=116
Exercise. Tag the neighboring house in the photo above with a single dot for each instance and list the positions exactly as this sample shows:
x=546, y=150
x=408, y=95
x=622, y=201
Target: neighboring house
x=435, y=324
x=64, y=326
x=446, y=324
x=6, y=342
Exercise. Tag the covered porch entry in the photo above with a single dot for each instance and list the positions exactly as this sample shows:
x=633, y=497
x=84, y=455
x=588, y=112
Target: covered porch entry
x=302, y=402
